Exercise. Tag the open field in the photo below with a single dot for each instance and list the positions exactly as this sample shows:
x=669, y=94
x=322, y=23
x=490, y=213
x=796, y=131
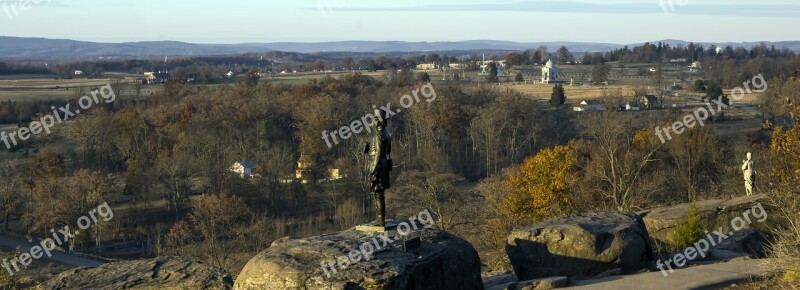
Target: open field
x=543, y=91
x=47, y=83
x=625, y=77
x=43, y=88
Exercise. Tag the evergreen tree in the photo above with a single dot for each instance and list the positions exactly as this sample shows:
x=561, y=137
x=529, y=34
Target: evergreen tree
x=558, y=97
x=493, y=72
x=425, y=77
x=600, y=71
x=714, y=92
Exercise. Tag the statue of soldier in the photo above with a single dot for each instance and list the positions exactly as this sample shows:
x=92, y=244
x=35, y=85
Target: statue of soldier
x=380, y=164
x=749, y=174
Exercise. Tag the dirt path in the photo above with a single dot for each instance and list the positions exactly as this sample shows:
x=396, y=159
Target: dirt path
x=57, y=256
x=713, y=276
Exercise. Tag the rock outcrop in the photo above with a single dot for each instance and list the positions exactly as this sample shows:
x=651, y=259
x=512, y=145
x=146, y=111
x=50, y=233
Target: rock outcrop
x=582, y=245
x=539, y=284
x=164, y=273
x=442, y=261
x=715, y=214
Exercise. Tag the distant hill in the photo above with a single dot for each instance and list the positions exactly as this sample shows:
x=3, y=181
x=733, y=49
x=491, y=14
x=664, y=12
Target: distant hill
x=403, y=46
x=43, y=48
x=791, y=45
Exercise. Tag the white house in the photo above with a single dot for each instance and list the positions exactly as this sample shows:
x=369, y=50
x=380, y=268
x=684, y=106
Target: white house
x=696, y=66
x=78, y=73
x=590, y=105
x=245, y=169
x=230, y=74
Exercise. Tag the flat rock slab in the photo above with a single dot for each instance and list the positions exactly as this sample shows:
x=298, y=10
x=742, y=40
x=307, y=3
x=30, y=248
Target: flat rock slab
x=539, y=284
x=662, y=222
x=442, y=261
x=698, y=277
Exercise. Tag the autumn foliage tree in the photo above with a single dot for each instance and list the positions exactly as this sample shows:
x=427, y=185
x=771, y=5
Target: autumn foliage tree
x=58, y=202
x=540, y=187
x=785, y=151
x=49, y=164
x=786, y=148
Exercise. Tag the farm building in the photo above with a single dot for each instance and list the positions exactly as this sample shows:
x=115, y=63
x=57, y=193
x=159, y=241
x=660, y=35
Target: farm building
x=245, y=169
x=426, y=66
x=590, y=105
x=157, y=77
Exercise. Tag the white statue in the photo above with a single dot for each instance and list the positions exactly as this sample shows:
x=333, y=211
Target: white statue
x=749, y=174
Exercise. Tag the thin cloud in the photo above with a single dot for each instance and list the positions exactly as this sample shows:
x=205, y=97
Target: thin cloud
x=692, y=8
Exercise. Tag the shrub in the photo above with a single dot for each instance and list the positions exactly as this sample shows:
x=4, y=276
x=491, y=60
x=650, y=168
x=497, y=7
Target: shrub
x=688, y=232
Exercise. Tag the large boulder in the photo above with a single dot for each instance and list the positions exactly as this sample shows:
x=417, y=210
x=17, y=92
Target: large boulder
x=752, y=212
x=582, y=245
x=336, y=261
x=163, y=273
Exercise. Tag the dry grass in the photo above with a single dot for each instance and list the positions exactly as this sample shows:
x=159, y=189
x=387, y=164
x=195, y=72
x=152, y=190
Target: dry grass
x=543, y=91
x=48, y=88
x=38, y=271
x=785, y=251
x=43, y=83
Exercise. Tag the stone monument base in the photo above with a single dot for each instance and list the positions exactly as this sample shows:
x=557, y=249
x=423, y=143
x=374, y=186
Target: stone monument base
x=373, y=228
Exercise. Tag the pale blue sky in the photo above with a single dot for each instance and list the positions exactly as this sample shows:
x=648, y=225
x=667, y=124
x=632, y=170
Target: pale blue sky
x=238, y=21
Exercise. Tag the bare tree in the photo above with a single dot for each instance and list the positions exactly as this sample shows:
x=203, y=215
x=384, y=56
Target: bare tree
x=697, y=157
x=175, y=174
x=214, y=217
x=118, y=85
x=485, y=131
x=416, y=191
x=620, y=164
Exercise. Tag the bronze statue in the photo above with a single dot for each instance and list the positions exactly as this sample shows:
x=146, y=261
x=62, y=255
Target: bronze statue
x=380, y=164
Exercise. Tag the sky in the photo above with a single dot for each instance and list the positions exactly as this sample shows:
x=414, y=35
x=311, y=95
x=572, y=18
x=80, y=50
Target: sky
x=260, y=21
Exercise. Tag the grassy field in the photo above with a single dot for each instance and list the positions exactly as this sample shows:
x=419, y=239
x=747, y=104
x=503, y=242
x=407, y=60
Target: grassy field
x=44, y=87
x=49, y=83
